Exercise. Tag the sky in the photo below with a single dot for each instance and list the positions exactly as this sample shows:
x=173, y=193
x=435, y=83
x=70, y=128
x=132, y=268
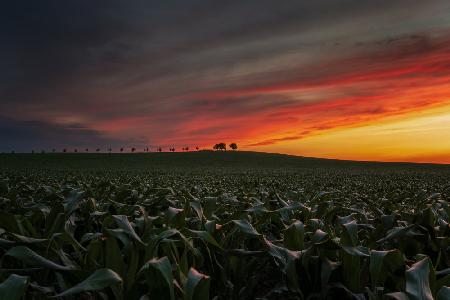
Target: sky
x=364, y=80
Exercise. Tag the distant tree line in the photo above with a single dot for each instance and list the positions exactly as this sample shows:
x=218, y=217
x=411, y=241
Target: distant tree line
x=217, y=147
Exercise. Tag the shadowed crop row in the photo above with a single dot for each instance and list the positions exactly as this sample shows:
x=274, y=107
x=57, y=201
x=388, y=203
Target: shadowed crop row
x=225, y=236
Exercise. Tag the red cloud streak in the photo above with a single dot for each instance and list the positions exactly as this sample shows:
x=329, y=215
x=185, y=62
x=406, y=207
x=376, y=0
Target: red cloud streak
x=353, y=91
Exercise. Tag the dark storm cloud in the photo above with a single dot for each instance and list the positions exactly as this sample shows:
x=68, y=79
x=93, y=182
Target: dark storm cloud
x=23, y=136
x=93, y=62
x=50, y=44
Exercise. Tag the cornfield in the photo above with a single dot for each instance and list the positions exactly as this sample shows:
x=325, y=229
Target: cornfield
x=247, y=234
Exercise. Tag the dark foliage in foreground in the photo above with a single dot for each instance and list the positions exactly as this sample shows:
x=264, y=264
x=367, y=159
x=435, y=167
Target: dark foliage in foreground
x=307, y=234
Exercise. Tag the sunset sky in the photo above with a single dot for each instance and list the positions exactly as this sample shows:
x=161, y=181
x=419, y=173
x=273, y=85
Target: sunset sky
x=364, y=80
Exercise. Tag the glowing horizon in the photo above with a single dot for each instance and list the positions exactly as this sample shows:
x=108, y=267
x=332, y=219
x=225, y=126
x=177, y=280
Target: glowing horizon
x=359, y=80
x=388, y=141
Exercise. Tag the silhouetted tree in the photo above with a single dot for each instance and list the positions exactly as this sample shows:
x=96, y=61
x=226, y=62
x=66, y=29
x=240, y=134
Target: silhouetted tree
x=53, y=150
x=76, y=150
x=121, y=149
x=87, y=149
x=97, y=150
x=109, y=150
x=233, y=146
x=133, y=149
x=197, y=148
x=64, y=150
x=220, y=146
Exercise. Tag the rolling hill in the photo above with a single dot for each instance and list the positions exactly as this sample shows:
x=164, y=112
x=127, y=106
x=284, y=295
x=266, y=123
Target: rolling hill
x=201, y=160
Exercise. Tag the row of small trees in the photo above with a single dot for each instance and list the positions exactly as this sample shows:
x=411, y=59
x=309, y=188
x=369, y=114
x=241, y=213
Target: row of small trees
x=133, y=149
x=219, y=146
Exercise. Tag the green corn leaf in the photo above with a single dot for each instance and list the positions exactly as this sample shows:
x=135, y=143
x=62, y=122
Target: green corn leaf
x=14, y=287
x=417, y=281
x=319, y=237
x=176, y=217
x=246, y=227
x=210, y=205
x=384, y=264
x=99, y=280
x=294, y=236
x=132, y=266
x=196, y=286
x=123, y=223
x=198, y=209
x=211, y=226
x=398, y=232
x=205, y=235
x=159, y=278
x=443, y=293
x=351, y=268
x=73, y=201
x=6, y=243
x=350, y=234
x=113, y=255
x=396, y=296
x=283, y=255
x=27, y=240
x=30, y=257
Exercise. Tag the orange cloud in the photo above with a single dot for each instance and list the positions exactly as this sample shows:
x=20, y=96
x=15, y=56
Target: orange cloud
x=366, y=88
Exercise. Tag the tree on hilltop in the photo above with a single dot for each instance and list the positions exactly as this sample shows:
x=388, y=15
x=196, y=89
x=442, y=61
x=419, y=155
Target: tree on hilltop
x=220, y=146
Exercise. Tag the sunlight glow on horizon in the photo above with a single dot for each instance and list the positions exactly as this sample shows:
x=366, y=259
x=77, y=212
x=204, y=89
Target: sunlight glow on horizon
x=353, y=80
x=420, y=137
